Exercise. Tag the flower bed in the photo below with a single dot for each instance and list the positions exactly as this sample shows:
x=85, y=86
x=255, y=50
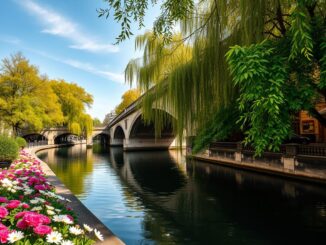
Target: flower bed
x=32, y=213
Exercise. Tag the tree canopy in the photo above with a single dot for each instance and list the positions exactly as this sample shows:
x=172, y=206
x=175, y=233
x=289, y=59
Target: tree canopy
x=26, y=98
x=97, y=122
x=255, y=62
x=127, y=98
x=74, y=100
x=30, y=100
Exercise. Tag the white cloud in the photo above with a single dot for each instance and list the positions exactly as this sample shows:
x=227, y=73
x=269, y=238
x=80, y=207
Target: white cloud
x=10, y=40
x=58, y=25
x=111, y=76
x=89, y=68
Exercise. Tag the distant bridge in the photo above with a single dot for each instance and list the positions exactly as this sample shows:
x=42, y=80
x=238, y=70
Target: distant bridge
x=126, y=130
x=62, y=135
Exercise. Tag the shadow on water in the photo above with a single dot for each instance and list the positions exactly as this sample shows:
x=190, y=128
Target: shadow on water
x=158, y=198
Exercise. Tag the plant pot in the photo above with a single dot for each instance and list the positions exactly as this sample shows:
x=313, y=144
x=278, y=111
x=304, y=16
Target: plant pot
x=5, y=163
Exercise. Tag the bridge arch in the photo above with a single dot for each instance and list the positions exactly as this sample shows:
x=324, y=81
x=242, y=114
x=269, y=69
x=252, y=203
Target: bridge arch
x=102, y=138
x=35, y=138
x=66, y=138
x=139, y=129
x=142, y=135
x=118, y=135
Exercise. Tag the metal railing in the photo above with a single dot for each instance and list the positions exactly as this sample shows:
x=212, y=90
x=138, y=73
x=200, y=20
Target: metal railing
x=312, y=150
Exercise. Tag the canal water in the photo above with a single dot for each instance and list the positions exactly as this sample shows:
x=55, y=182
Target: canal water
x=157, y=197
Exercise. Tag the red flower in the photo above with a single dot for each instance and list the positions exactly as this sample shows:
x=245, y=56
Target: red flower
x=25, y=205
x=39, y=187
x=3, y=212
x=20, y=214
x=42, y=230
x=34, y=219
x=21, y=224
x=4, y=233
x=13, y=204
x=2, y=226
x=3, y=199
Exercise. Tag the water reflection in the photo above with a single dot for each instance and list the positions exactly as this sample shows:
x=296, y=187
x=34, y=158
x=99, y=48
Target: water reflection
x=71, y=164
x=158, y=198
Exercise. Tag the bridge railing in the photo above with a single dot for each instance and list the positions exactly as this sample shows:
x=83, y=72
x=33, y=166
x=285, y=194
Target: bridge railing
x=296, y=158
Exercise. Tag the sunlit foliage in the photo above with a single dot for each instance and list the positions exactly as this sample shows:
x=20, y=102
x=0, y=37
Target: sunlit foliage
x=29, y=100
x=26, y=98
x=274, y=69
x=127, y=98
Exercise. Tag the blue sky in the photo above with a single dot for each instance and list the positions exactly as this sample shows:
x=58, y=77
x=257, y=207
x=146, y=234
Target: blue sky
x=67, y=40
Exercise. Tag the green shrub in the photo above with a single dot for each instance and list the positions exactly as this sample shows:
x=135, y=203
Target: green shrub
x=8, y=149
x=21, y=142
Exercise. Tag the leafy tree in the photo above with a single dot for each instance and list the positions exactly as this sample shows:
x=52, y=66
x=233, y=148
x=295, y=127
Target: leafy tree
x=275, y=67
x=127, y=98
x=109, y=117
x=73, y=100
x=126, y=12
x=97, y=122
x=26, y=98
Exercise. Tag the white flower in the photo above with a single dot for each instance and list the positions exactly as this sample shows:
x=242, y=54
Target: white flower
x=75, y=230
x=98, y=235
x=6, y=182
x=40, y=199
x=54, y=237
x=88, y=228
x=37, y=208
x=58, y=210
x=62, y=218
x=50, y=212
x=15, y=236
x=34, y=201
x=67, y=242
x=49, y=207
x=28, y=192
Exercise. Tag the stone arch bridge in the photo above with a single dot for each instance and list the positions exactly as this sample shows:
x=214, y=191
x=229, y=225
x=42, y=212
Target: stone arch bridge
x=59, y=135
x=127, y=130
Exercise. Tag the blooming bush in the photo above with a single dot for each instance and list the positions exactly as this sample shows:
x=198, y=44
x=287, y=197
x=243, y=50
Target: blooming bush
x=32, y=213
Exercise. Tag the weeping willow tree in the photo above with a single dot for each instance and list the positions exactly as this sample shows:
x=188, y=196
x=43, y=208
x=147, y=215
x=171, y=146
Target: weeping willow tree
x=253, y=62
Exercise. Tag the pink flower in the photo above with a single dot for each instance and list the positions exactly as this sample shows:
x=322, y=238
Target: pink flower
x=45, y=219
x=42, y=229
x=34, y=219
x=3, y=199
x=70, y=217
x=39, y=187
x=2, y=226
x=3, y=212
x=25, y=205
x=20, y=214
x=13, y=204
x=21, y=224
x=33, y=181
x=4, y=233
